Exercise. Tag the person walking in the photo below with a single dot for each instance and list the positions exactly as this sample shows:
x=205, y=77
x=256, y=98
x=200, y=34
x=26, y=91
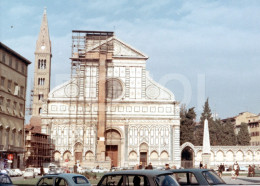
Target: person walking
x=201, y=165
x=150, y=166
x=236, y=168
x=167, y=167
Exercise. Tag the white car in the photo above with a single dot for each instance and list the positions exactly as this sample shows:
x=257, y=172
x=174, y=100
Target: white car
x=11, y=173
x=18, y=171
x=29, y=173
x=99, y=170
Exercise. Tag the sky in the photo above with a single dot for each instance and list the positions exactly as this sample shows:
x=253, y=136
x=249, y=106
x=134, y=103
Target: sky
x=197, y=49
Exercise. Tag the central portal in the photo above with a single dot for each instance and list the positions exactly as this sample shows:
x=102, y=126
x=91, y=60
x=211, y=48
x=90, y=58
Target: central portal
x=78, y=150
x=112, y=152
x=143, y=154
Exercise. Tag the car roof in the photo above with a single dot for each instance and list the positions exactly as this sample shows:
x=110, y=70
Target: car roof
x=190, y=170
x=66, y=175
x=139, y=172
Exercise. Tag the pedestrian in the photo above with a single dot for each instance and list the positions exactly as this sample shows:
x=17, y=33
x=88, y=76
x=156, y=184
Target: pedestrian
x=253, y=167
x=201, y=165
x=140, y=166
x=220, y=170
x=136, y=167
x=167, y=167
x=41, y=171
x=75, y=168
x=150, y=166
x=250, y=171
x=236, y=168
x=233, y=174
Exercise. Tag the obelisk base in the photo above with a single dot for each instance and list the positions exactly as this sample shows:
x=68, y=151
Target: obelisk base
x=206, y=160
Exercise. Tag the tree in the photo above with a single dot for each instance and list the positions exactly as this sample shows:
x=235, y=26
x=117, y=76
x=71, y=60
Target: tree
x=226, y=135
x=243, y=137
x=213, y=130
x=187, y=125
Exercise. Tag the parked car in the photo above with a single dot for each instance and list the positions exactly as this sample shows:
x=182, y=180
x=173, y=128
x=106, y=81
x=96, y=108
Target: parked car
x=243, y=168
x=18, y=171
x=11, y=173
x=138, y=177
x=29, y=173
x=5, y=179
x=52, y=170
x=100, y=170
x=197, y=177
x=63, y=179
x=37, y=171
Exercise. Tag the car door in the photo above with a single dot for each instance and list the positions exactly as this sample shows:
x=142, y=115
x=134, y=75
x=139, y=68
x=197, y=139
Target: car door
x=46, y=181
x=61, y=182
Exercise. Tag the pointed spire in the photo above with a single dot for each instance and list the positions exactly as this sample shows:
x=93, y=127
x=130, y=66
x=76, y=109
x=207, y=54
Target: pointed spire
x=206, y=140
x=43, y=44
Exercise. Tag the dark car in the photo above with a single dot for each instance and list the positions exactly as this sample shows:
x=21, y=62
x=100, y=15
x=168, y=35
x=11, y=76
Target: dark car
x=197, y=177
x=138, y=177
x=5, y=179
x=63, y=180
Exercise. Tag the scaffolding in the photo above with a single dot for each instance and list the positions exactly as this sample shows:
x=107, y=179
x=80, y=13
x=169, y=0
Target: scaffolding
x=39, y=149
x=90, y=49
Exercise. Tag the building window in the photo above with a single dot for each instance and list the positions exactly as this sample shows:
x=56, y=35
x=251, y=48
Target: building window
x=42, y=64
x=2, y=81
x=16, y=65
x=13, y=137
x=15, y=103
x=10, y=61
x=1, y=101
x=1, y=135
x=7, y=137
x=40, y=110
x=21, y=107
x=41, y=81
x=3, y=58
x=22, y=91
x=40, y=96
x=23, y=68
x=9, y=84
x=8, y=103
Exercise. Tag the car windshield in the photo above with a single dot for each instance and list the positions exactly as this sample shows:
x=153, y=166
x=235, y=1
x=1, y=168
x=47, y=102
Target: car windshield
x=80, y=180
x=212, y=177
x=165, y=180
x=5, y=179
x=29, y=170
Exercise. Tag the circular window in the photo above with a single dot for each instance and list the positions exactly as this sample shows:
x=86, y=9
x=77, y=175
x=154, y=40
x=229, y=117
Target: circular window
x=114, y=89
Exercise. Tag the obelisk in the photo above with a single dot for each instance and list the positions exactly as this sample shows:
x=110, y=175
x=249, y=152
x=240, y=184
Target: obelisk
x=206, y=146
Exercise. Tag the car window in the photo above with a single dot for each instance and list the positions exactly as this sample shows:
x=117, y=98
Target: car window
x=80, y=180
x=135, y=180
x=5, y=179
x=212, y=177
x=186, y=178
x=60, y=182
x=166, y=180
x=112, y=180
x=46, y=181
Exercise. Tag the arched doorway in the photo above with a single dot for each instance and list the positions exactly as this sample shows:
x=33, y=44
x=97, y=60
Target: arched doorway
x=78, y=150
x=143, y=153
x=113, y=146
x=187, y=157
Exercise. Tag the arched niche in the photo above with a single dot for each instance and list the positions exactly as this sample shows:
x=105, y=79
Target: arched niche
x=164, y=155
x=220, y=156
x=132, y=155
x=154, y=155
x=67, y=156
x=89, y=156
x=239, y=156
x=230, y=156
x=57, y=156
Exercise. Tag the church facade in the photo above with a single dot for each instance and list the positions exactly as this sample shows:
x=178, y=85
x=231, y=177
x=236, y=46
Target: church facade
x=111, y=112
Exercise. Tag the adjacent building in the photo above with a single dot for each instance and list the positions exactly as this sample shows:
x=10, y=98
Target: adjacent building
x=252, y=120
x=13, y=72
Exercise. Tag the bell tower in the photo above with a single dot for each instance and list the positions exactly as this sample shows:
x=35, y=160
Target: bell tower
x=42, y=67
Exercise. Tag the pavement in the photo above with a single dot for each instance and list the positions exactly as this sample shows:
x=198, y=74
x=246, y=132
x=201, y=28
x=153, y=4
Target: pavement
x=243, y=180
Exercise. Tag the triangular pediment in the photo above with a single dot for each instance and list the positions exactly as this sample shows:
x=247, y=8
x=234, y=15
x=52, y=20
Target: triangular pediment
x=120, y=49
